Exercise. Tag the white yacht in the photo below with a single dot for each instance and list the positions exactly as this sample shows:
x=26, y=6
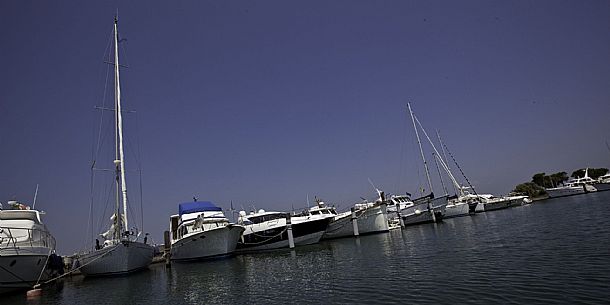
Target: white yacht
x=574, y=187
x=25, y=247
x=269, y=230
x=122, y=250
x=371, y=217
x=421, y=210
x=489, y=202
x=201, y=230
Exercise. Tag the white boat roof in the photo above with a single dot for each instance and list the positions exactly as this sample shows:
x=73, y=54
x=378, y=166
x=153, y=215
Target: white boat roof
x=31, y=215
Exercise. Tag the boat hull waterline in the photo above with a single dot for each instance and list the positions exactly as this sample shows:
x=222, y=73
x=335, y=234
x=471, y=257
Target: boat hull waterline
x=208, y=244
x=122, y=258
x=370, y=220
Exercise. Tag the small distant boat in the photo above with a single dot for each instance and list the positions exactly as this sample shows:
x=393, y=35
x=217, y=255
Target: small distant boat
x=574, y=187
x=201, y=230
x=269, y=230
x=26, y=246
x=489, y=202
x=370, y=217
x=122, y=251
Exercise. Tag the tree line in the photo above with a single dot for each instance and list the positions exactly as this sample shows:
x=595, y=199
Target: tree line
x=540, y=181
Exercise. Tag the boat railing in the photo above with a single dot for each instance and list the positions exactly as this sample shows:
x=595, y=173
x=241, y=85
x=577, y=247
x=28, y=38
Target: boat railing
x=15, y=238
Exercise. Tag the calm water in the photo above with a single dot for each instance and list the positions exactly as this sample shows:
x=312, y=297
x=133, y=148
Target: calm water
x=555, y=251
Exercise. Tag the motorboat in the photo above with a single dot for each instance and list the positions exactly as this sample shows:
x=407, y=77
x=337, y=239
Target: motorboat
x=369, y=217
x=270, y=230
x=26, y=247
x=200, y=230
x=574, y=186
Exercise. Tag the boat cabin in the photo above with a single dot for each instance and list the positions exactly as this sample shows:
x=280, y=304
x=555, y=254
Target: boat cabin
x=195, y=217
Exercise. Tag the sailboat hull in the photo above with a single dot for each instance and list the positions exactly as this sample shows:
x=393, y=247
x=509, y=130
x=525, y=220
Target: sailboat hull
x=419, y=213
x=122, y=258
x=370, y=220
x=207, y=244
x=457, y=210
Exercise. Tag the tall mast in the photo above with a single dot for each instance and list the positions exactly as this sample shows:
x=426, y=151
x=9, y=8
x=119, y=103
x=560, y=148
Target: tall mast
x=119, y=122
x=455, y=183
x=420, y=148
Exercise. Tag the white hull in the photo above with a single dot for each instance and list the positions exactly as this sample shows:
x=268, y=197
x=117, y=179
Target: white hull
x=25, y=246
x=370, y=220
x=456, y=210
x=124, y=257
x=207, y=244
x=565, y=191
x=21, y=271
x=419, y=213
x=298, y=241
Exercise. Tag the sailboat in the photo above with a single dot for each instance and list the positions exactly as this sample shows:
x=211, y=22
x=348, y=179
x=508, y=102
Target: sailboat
x=121, y=251
x=427, y=208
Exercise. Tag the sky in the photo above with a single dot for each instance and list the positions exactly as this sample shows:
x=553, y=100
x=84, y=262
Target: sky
x=267, y=103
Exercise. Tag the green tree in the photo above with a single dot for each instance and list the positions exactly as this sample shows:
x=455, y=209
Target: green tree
x=593, y=172
x=559, y=178
x=538, y=179
x=530, y=189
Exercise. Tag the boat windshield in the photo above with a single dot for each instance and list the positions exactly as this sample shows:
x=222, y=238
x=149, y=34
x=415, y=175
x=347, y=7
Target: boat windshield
x=267, y=217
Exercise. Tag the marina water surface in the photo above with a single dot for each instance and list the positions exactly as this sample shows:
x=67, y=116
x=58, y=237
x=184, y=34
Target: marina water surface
x=552, y=251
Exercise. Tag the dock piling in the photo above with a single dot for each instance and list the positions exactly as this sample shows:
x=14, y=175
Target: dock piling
x=355, y=222
x=289, y=228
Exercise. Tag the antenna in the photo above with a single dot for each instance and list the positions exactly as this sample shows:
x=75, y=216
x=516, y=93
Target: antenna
x=35, y=195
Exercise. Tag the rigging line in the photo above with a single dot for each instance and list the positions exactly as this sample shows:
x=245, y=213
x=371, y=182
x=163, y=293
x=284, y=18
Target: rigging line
x=75, y=269
x=434, y=156
x=402, y=164
x=458, y=166
x=44, y=266
x=110, y=193
x=444, y=158
x=99, y=139
x=139, y=163
x=96, y=147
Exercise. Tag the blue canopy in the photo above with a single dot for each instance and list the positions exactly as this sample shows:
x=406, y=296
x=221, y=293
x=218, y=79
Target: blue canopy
x=197, y=206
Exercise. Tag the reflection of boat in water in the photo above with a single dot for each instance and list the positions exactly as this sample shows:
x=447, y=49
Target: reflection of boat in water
x=269, y=230
x=26, y=247
x=122, y=251
x=370, y=217
x=201, y=230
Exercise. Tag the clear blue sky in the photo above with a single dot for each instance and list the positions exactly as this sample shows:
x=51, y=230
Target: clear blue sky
x=265, y=102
